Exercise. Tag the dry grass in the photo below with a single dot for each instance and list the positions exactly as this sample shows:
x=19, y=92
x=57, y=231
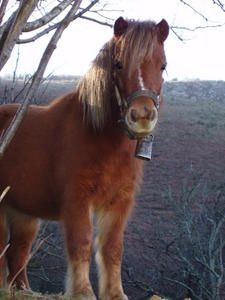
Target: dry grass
x=28, y=295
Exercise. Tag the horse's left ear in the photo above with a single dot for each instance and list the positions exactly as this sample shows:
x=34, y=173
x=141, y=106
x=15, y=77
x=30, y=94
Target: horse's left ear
x=120, y=26
x=163, y=30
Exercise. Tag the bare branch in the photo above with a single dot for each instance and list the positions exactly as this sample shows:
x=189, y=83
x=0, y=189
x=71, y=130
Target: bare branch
x=220, y=4
x=2, y=9
x=12, y=88
x=185, y=286
x=11, y=130
x=52, y=27
x=192, y=8
x=176, y=29
x=177, y=35
x=10, y=36
x=38, y=35
x=96, y=21
x=4, y=251
x=27, y=261
x=7, y=24
x=196, y=28
x=55, y=12
x=207, y=267
x=3, y=195
x=214, y=235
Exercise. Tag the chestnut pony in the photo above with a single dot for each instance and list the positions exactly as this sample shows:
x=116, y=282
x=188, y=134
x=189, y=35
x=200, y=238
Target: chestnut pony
x=75, y=157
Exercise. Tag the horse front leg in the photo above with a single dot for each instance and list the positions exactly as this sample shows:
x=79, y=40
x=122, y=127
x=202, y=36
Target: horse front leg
x=78, y=234
x=111, y=224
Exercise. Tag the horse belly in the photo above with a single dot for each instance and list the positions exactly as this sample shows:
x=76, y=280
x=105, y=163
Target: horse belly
x=31, y=190
x=35, y=202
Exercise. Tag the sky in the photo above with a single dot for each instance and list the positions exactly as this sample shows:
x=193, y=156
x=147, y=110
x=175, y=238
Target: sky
x=200, y=56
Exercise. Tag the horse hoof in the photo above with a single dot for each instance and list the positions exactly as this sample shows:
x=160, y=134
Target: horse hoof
x=85, y=296
x=115, y=297
x=121, y=297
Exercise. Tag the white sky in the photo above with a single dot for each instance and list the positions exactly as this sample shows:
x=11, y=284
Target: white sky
x=201, y=56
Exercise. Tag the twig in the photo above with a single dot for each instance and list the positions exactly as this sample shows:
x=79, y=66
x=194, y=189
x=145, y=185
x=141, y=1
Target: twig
x=38, y=35
x=14, y=77
x=4, y=193
x=4, y=251
x=27, y=261
x=196, y=28
x=185, y=286
x=96, y=21
x=192, y=8
x=220, y=4
x=177, y=35
x=3, y=9
x=26, y=82
x=207, y=267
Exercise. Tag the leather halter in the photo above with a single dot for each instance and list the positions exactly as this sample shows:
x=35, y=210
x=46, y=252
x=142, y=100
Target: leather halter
x=144, y=145
x=125, y=103
x=144, y=93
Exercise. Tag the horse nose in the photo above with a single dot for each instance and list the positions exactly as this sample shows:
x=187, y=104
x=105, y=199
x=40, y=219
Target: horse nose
x=134, y=115
x=146, y=113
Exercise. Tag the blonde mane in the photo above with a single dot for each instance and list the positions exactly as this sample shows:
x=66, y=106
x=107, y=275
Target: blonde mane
x=96, y=87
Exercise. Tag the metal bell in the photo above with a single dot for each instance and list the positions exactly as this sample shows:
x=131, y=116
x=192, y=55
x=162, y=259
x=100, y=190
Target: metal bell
x=144, y=148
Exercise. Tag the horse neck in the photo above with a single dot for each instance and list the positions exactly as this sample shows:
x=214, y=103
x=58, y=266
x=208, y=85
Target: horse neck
x=109, y=140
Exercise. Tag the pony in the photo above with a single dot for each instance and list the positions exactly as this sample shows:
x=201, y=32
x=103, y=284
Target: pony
x=74, y=158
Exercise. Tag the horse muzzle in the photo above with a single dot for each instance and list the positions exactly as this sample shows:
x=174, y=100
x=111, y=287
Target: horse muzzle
x=140, y=121
x=139, y=112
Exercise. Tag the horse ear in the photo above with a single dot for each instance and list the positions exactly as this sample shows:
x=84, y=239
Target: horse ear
x=163, y=30
x=120, y=26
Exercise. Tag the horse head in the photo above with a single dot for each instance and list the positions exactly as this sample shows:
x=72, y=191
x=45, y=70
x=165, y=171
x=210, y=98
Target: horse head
x=138, y=64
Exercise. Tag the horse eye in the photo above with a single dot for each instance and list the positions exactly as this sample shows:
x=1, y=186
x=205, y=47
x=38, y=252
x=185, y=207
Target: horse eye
x=163, y=68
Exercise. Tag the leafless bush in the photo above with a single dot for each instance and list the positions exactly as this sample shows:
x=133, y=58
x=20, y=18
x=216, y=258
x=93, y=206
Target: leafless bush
x=47, y=268
x=200, y=243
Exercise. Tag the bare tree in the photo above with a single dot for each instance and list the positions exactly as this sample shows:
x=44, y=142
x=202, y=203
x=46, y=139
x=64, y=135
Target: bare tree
x=54, y=17
x=204, y=20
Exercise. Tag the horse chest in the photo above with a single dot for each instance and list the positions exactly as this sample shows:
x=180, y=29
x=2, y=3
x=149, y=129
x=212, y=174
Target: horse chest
x=114, y=181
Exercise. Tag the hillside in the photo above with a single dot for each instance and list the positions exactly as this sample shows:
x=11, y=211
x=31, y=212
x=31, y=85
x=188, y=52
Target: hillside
x=180, y=203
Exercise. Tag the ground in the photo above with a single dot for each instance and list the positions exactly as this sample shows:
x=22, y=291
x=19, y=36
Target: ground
x=180, y=188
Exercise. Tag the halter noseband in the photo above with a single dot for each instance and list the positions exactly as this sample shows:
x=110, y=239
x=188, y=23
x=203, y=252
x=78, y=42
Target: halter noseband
x=125, y=103
x=144, y=93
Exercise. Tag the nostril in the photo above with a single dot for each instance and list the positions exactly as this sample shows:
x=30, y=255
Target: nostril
x=134, y=115
x=151, y=115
